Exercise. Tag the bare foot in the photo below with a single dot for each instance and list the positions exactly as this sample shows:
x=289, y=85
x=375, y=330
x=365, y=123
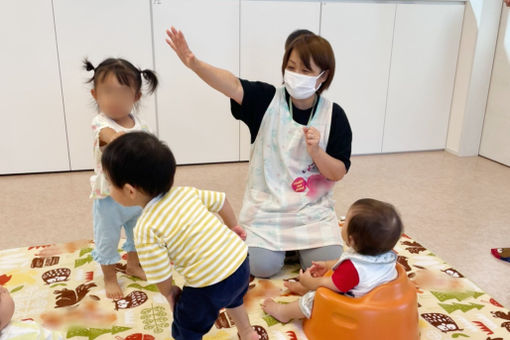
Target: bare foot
x=295, y=287
x=248, y=334
x=113, y=290
x=275, y=310
x=137, y=271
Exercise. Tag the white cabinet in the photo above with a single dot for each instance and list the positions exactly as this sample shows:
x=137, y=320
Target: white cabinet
x=265, y=26
x=98, y=29
x=395, y=67
x=33, y=137
x=423, y=64
x=495, y=143
x=361, y=35
x=195, y=119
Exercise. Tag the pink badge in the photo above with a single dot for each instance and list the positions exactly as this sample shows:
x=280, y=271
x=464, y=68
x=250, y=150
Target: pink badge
x=299, y=184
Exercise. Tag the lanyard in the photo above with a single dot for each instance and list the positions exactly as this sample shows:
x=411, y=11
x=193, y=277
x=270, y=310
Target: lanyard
x=312, y=112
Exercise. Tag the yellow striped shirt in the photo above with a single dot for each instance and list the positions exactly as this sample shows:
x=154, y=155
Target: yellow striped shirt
x=180, y=228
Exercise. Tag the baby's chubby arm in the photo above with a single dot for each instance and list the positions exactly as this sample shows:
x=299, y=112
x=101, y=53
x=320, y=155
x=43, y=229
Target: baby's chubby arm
x=312, y=283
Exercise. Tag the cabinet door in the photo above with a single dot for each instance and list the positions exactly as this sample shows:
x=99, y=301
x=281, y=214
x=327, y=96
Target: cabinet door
x=423, y=65
x=361, y=35
x=98, y=30
x=495, y=143
x=194, y=119
x=33, y=137
x=265, y=26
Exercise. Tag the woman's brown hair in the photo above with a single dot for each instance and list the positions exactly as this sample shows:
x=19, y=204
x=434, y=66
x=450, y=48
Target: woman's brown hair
x=316, y=48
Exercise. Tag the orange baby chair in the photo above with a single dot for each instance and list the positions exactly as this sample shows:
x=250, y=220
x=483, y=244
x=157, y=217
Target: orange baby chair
x=389, y=311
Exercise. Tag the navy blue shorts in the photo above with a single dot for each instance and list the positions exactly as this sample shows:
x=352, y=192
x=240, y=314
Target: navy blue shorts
x=197, y=308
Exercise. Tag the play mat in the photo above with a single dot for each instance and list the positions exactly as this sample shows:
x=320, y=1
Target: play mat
x=61, y=287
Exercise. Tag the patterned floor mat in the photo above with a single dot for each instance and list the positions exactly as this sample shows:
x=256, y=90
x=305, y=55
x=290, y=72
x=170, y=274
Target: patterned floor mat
x=61, y=286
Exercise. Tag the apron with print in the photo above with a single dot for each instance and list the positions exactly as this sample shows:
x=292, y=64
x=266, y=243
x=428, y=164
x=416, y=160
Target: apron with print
x=288, y=204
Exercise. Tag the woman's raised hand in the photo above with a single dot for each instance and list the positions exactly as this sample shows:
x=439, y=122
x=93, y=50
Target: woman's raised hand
x=178, y=43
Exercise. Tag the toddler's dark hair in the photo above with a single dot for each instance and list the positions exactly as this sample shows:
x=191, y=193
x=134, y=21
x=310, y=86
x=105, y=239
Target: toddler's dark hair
x=141, y=160
x=125, y=72
x=375, y=226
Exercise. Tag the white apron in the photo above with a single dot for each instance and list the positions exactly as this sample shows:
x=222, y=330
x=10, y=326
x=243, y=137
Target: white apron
x=288, y=204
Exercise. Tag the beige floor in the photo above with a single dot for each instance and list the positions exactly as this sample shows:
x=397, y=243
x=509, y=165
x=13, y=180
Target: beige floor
x=458, y=208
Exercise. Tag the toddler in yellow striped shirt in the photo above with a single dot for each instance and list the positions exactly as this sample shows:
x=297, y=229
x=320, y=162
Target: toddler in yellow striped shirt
x=178, y=230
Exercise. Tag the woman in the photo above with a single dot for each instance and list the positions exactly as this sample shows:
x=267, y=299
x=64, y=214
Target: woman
x=301, y=145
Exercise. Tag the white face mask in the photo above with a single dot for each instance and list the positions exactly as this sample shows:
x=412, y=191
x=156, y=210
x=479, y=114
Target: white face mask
x=299, y=85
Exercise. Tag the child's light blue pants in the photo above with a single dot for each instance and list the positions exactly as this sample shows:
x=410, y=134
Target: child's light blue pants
x=109, y=218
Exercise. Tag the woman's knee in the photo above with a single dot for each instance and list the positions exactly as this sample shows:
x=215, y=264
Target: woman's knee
x=265, y=263
x=306, y=256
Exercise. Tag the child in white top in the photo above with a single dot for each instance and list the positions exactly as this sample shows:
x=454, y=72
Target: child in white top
x=117, y=90
x=371, y=230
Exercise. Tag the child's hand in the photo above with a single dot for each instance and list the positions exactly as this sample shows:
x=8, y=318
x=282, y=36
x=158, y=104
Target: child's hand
x=239, y=231
x=318, y=268
x=306, y=279
x=312, y=136
x=178, y=43
x=173, y=296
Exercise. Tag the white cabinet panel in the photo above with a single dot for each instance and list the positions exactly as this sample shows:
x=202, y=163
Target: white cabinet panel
x=33, y=137
x=265, y=26
x=361, y=35
x=495, y=143
x=98, y=30
x=423, y=65
x=195, y=119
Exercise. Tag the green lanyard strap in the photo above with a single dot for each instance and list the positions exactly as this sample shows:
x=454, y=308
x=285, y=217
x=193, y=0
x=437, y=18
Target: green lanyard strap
x=314, y=108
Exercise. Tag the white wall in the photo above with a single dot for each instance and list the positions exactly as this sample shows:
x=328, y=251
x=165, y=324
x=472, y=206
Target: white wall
x=476, y=57
x=33, y=137
x=50, y=119
x=84, y=31
x=495, y=143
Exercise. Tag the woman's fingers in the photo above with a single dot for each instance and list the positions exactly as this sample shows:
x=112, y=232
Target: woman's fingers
x=176, y=39
x=170, y=43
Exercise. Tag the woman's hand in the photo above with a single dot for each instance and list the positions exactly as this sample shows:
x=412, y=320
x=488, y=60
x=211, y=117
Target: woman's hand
x=312, y=137
x=178, y=43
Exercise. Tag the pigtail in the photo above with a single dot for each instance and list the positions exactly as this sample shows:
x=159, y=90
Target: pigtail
x=151, y=78
x=87, y=65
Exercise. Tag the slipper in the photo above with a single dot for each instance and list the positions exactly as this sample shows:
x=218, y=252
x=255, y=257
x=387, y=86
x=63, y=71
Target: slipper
x=501, y=253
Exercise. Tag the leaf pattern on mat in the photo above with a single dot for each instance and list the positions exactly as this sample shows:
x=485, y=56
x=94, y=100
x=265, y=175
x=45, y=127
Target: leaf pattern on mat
x=155, y=319
x=92, y=333
x=82, y=261
x=151, y=288
x=17, y=289
x=85, y=251
x=450, y=308
x=460, y=296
